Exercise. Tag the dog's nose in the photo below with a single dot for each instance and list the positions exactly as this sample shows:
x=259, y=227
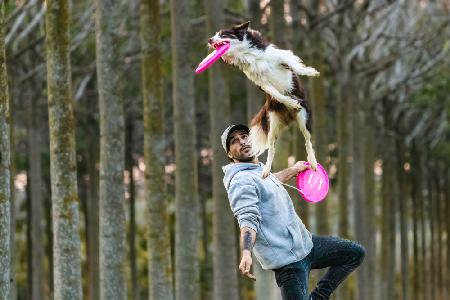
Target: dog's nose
x=210, y=41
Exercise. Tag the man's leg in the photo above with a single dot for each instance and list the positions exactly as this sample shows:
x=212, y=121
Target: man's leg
x=342, y=256
x=293, y=279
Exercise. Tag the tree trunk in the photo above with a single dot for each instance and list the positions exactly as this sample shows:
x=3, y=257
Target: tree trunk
x=92, y=217
x=359, y=181
x=439, y=233
x=416, y=195
x=160, y=262
x=5, y=167
x=447, y=201
x=49, y=235
x=67, y=262
x=112, y=152
x=344, y=162
x=345, y=125
x=370, y=261
x=186, y=198
x=255, y=97
x=299, y=150
x=36, y=212
x=224, y=260
x=320, y=118
x=403, y=210
x=129, y=163
x=278, y=34
x=430, y=166
x=425, y=286
x=29, y=243
x=388, y=218
x=13, y=286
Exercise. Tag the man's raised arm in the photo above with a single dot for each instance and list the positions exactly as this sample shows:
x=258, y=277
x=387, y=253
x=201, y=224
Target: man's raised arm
x=286, y=174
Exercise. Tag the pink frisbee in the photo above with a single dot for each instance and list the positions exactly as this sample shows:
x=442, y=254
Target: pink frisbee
x=313, y=186
x=212, y=57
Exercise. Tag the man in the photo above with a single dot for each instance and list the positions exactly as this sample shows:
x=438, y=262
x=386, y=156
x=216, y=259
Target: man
x=271, y=228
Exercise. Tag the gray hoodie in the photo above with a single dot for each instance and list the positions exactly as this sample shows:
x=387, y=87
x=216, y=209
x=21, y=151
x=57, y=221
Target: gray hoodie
x=265, y=206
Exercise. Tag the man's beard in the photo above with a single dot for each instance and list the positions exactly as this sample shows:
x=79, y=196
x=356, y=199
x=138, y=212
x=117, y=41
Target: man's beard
x=245, y=158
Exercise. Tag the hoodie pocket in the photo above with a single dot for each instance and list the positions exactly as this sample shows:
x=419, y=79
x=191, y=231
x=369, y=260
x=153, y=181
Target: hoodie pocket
x=301, y=239
x=263, y=251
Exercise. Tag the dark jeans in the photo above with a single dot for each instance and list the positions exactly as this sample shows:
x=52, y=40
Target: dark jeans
x=342, y=256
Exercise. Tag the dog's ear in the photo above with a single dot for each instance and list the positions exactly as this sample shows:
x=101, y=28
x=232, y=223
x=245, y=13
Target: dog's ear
x=242, y=27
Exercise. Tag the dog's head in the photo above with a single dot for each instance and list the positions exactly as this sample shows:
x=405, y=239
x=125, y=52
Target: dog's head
x=241, y=39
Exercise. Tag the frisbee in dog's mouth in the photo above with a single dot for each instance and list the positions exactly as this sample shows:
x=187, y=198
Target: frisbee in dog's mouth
x=220, y=49
x=217, y=45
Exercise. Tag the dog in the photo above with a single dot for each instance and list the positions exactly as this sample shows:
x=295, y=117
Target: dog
x=276, y=72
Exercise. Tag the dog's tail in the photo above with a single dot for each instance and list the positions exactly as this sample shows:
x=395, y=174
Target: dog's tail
x=259, y=129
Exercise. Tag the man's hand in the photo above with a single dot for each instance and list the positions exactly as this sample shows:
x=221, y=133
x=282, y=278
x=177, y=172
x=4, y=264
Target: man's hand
x=246, y=264
x=300, y=166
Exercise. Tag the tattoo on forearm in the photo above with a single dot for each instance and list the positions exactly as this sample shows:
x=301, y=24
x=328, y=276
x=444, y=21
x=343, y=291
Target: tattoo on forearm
x=247, y=241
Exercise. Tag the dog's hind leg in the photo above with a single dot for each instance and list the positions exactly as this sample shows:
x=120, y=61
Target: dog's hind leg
x=302, y=118
x=274, y=130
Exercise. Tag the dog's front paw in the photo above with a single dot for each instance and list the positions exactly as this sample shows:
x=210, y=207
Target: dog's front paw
x=265, y=172
x=313, y=163
x=294, y=104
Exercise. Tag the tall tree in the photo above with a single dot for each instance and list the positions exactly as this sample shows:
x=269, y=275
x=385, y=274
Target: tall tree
x=416, y=196
x=447, y=201
x=36, y=212
x=224, y=260
x=298, y=43
x=13, y=291
x=186, y=198
x=389, y=197
x=366, y=288
x=279, y=37
x=92, y=215
x=67, y=262
x=5, y=167
x=129, y=165
x=320, y=117
x=403, y=210
x=112, y=151
x=255, y=97
x=160, y=262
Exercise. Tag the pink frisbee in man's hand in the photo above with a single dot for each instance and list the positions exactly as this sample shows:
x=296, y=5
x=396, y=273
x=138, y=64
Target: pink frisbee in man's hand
x=313, y=186
x=212, y=57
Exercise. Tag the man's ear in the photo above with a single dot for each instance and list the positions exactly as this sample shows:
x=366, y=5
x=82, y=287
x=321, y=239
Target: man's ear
x=242, y=27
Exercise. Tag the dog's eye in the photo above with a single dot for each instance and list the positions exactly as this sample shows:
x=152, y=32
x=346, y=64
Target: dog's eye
x=227, y=34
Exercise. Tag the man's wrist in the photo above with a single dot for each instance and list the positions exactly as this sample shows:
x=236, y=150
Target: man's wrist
x=246, y=252
x=293, y=171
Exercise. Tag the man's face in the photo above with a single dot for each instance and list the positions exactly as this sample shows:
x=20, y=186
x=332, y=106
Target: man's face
x=239, y=147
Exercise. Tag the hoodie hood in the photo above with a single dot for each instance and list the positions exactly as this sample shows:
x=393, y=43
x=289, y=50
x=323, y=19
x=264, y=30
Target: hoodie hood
x=233, y=168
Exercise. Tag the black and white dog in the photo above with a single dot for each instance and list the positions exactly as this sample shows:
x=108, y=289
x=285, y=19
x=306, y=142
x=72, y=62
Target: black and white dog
x=275, y=72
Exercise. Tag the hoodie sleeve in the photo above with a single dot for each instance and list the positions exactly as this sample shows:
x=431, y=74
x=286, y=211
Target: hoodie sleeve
x=244, y=199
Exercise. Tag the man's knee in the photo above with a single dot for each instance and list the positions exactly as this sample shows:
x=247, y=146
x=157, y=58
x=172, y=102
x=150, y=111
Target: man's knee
x=358, y=253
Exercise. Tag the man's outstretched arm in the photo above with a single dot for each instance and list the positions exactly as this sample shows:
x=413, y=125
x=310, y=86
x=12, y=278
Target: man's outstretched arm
x=288, y=173
x=248, y=237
